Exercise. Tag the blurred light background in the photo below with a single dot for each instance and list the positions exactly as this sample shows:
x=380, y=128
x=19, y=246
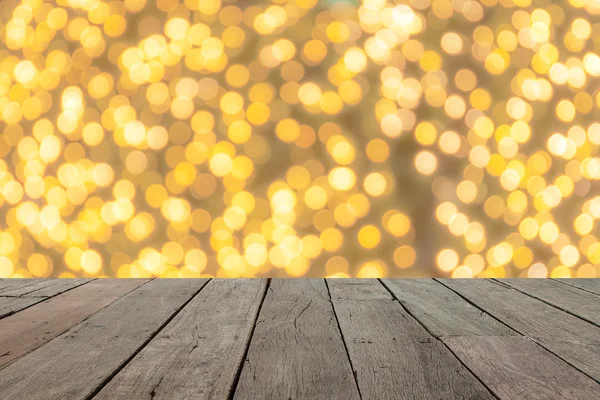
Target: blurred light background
x=189, y=138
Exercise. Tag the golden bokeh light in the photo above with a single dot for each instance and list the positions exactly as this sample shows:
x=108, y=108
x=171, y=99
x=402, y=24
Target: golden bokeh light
x=340, y=138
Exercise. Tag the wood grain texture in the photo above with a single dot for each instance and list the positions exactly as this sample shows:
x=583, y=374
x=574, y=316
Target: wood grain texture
x=571, y=338
x=591, y=285
x=76, y=363
x=58, y=286
x=443, y=312
x=175, y=339
x=22, y=332
x=393, y=355
x=37, y=287
x=18, y=287
x=197, y=355
x=10, y=305
x=583, y=304
x=514, y=367
x=18, y=294
x=296, y=350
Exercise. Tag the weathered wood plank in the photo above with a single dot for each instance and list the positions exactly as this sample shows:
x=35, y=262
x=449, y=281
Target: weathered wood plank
x=506, y=362
x=13, y=283
x=296, y=351
x=514, y=367
x=22, y=287
x=75, y=364
x=10, y=305
x=18, y=294
x=443, y=312
x=392, y=353
x=591, y=285
x=58, y=286
x=583, y=304
x=197, y=355
x=574, y=340
x=27, y=330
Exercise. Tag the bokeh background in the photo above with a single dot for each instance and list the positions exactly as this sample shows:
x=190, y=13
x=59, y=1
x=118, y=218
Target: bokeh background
x=189, y=138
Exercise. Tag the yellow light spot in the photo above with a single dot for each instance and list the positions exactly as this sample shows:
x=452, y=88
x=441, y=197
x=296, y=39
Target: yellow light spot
x=91, y=262
x=221, y=164
x=426, y=162
x=309, y=93
x=447, y=260
x=398, y=224
x=342, y=178
x=404, y=256
x=375, y=184
x=283, y=201
x=316, y=197
x=369, y=236
x=232, y=103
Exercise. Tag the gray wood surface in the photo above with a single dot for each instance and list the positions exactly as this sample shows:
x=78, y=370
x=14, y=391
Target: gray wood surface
x=10, y=305
x=18, y=294
x=197, y=355
x=76, y=363
x=512, y=366
x=19, y=287
x=583, y=304
x=296, y=350
x=299, y=339
x=515, y=367
x=58, y=286
x=443, y=312
x=24, y=331
x=591, y=285
x=392, y=353
x=38, y=287
x=571, y=338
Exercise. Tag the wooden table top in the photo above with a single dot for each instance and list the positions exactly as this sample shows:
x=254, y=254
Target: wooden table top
x=299, y=339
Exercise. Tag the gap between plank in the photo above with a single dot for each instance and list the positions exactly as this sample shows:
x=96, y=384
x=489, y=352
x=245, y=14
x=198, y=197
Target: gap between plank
x=577, y=287
x=32, y=293
x=547, y=302
x=42, y=298
x=439, y=339
x=238, y=373
x=481, y=309
x=135, y=353
x=83, y=320
x=343, y=339
x=516, y=330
